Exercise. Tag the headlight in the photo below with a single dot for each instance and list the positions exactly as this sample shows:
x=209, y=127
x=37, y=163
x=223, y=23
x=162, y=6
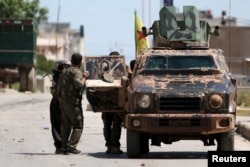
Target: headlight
x=231, y=108
x=144, y=101
x=215, y=101
x=136, y=123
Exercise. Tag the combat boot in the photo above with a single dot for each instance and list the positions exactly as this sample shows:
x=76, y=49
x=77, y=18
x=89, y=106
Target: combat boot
x=71, y=150
x=115, y=150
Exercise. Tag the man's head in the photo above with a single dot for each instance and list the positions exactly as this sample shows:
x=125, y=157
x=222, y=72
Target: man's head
x=113, y=53
x=132, y=64
x=62, y=64
x=76, y=59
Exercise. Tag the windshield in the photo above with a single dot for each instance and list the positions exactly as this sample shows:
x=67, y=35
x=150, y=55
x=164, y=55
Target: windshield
x=180, y=64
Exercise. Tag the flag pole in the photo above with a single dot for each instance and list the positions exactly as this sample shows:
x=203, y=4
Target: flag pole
x=135, y=12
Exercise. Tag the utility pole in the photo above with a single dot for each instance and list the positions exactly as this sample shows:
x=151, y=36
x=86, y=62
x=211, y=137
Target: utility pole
x=149, y=9
x=142, y=9
x=57, y=27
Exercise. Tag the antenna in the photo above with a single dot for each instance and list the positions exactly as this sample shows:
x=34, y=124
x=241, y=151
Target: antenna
x=229, y=33
x=149, y=8
x=142, y=9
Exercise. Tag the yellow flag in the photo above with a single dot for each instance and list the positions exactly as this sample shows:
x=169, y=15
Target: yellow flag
x=141, y=41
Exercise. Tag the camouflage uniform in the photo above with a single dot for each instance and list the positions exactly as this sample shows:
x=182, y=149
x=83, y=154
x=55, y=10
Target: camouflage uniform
x=71, y=90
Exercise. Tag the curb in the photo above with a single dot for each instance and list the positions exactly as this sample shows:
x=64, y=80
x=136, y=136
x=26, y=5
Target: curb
x=243, y=128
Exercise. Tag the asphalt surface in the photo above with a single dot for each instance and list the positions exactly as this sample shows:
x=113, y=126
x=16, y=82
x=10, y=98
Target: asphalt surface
x=243, y=126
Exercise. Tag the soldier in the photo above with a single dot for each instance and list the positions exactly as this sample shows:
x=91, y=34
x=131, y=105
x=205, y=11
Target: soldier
x=112, y=122
x=71, y=85
x=130, y=69
x=55, y=111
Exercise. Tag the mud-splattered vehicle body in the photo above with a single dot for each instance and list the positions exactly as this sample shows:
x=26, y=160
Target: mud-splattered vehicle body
x=179, y=90
x=180, y=95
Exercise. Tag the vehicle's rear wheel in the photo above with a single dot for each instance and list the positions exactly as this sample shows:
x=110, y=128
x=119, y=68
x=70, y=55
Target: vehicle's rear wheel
x=225, y=141
x=23, y=79
x=133, y=144
x=32, y=80
x=27, y=79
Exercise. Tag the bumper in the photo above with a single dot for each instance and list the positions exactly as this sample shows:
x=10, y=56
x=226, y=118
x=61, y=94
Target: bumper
x=180, y=123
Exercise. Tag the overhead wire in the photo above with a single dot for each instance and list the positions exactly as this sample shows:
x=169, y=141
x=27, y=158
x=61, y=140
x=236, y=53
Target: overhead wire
x=229, y=41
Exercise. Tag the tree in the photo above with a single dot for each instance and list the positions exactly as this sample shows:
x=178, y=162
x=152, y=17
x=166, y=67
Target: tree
x=23, y=9
x=44, y=66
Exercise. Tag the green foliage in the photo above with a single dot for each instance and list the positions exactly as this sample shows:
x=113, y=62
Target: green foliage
x=244, y=99
x=44, y=66
x=23, y=9
x=15, y=86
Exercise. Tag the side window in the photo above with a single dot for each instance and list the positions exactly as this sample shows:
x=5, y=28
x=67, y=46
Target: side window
x=223, y=63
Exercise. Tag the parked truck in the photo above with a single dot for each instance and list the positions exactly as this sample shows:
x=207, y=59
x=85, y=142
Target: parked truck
x=180, y=88
x=18, y=53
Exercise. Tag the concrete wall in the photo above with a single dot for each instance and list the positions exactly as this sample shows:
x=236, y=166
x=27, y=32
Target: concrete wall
x=43, y=84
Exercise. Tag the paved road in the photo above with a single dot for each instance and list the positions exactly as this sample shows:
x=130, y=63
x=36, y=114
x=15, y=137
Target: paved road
x=25, y=140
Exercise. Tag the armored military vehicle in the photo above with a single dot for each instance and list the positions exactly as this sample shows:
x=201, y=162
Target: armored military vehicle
x=179, y=90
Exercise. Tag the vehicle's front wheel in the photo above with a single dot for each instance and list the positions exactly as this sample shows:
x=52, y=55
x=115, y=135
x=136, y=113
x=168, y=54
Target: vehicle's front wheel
x=144, y=145
x=225, y=141
x=133, y=144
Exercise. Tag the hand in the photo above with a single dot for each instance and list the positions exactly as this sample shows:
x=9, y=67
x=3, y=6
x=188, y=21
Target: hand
x=85, y=74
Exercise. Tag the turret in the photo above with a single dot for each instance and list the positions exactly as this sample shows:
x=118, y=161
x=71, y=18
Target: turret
x=191, y=32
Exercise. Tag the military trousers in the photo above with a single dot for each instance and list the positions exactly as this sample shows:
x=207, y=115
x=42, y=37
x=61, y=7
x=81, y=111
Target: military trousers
x=112, y=128
x=72, y=124
x=55, y=120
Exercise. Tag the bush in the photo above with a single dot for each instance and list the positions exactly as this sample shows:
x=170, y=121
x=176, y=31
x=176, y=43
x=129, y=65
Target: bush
x=44, y=66
x=15, y=86
x=243, y=99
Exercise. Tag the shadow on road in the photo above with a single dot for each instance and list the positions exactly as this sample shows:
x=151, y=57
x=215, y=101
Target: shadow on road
x=155, y=155
x=151, y=155
x=34, y=154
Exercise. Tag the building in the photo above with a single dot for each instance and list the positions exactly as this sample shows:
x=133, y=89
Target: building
x=234, y=41
x=58, y=41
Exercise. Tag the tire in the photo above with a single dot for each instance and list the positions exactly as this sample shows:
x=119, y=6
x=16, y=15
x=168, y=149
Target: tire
x=144, y=144
x=225, y=141
x=133, y=144
x=23, y=79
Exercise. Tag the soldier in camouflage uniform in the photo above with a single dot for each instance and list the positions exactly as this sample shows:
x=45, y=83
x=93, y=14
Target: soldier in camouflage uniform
x=55, y=111
x=71, y=85
x=112, y=122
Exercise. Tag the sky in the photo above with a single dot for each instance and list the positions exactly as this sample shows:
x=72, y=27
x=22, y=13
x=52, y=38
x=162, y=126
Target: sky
x=109, y=24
